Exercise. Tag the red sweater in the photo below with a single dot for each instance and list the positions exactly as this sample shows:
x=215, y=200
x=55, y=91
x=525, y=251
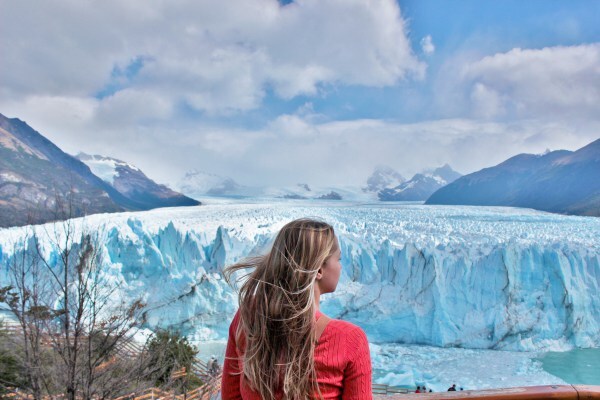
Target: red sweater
x=342, y=361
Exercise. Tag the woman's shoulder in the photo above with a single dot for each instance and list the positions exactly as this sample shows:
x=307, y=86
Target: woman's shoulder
x=341, y=324
x=348, y=340
x=346, y=330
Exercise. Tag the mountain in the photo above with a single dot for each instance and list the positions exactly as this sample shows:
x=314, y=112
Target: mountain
x=421, y=186
x=132, y=183
x=560, y=181
x=383, y=177
x=198, y=183
x=36, y=176
x=39, y=182
x=304, y=191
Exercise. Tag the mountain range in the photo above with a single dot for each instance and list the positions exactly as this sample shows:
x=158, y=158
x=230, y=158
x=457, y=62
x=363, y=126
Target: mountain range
x=198, y=184
x=383, y=177
x=132, y=183
x=384, y=184
x=39, y=182
x=566, y=182
x=420, y=186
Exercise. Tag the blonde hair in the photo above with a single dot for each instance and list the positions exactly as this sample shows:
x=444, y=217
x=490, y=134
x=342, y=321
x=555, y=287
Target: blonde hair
x=277, y=310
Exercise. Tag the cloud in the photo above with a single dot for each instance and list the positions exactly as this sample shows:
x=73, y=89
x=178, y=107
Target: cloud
x=118, y=78
x=553, y=82
x=297, y=147
x=486, y=102
x=216, y=57
x=427, y=45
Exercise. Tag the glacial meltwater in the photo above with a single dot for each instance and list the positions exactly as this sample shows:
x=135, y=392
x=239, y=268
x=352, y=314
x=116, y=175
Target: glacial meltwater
x=577, y=367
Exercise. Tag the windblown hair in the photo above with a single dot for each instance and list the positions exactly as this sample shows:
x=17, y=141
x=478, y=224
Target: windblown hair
x=277, y=311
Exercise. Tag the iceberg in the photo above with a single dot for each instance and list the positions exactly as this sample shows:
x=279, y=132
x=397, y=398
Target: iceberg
x=446, y=276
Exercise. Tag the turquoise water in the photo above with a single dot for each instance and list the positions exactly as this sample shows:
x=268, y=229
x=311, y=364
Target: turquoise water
x=577, y=367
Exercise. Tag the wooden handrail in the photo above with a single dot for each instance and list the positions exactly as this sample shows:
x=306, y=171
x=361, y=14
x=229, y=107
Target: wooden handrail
x=385, y=389
x=566, y=392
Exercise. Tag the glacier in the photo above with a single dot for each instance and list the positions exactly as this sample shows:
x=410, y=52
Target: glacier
x=447, y=276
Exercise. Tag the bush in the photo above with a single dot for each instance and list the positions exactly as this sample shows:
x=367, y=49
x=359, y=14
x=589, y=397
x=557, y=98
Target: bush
x=11, y=372
x=169, y=352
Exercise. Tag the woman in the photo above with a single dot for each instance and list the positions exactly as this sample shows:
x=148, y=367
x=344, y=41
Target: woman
x=280, y=345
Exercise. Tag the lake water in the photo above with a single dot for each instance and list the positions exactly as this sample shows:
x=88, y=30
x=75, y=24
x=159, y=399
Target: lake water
x=577, y=367
x=437, y=368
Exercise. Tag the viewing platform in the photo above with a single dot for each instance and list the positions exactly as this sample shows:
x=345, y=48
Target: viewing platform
x=551, y=392
x=565, y=392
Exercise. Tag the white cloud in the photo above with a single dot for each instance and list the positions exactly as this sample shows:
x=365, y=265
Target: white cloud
x=345, y=152
x=131, y=106
x=486, y=102
x=299, y=147
x=292, y=126
x=110, y=77
x=53, y=113
x=553, y=82
x=216, y=56
x=427, y=45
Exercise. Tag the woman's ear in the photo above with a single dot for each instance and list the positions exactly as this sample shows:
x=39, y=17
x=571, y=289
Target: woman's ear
x=320, y=274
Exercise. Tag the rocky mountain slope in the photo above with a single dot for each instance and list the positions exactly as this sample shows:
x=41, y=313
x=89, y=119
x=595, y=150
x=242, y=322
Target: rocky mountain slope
x=132, y=183
x=560, y=181
x=39, y=182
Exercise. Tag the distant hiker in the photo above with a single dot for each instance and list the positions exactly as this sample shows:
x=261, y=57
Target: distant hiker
x=452, y=388
x=430, y=391
x=418, y=389
x=213, y=366
x=424, y=390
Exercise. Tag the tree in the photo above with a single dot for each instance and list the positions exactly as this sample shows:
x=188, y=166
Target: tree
x=11, y=372
x=65, y=302
x=169, y=352
x=23, y=297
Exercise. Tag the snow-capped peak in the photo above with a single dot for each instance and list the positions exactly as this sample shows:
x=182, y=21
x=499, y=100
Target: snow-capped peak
x=105, y=167
x=383, y=177
x=199, y=183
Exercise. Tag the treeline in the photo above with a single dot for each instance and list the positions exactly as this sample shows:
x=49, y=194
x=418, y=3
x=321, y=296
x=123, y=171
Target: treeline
x=73, y=334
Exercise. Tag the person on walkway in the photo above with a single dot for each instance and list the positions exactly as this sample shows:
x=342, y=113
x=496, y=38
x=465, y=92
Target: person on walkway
x=452, y=388
x=213, y=366
x=418, y=389
x=281, y=346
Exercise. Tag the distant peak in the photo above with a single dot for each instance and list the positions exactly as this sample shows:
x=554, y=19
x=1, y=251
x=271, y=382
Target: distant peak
x=197, y=173
x=97, y=157
x=445, y=167
x=383, y=177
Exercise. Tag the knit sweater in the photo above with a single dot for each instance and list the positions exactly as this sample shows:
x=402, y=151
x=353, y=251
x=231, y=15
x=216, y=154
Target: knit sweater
x=342, y=362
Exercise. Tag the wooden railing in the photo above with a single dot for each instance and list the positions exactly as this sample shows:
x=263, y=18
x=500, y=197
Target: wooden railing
x=205, y=392
x=386, y=390
x=555, y=392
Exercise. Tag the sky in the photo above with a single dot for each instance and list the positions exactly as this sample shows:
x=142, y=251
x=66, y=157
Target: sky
x=315, y=91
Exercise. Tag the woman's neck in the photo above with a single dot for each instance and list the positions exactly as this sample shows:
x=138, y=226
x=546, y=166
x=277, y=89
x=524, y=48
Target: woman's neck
x=317, y=299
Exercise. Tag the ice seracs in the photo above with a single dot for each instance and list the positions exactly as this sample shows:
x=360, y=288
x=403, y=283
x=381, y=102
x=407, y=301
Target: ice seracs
x=471, y=277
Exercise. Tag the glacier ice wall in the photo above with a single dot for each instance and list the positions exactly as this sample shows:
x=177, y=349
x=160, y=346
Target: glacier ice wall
x=470, y=277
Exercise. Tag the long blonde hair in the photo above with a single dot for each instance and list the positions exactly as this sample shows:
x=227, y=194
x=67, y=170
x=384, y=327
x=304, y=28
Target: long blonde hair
x=277, y=310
